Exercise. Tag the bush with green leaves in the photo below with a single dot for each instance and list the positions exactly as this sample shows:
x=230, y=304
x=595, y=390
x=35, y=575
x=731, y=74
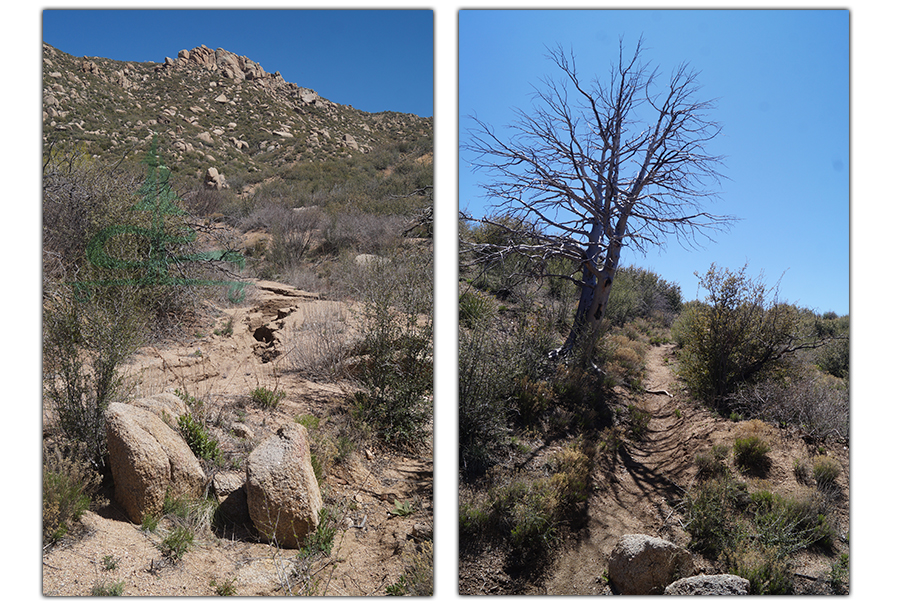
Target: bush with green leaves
x=503, y=370
x=266, y=398
x=395, y=366
x=68, y=485
x=800, y=395
x=202, y=443
x=529, y=513
x=756, y=535
x=739, y=332
x=640, y=293
x=751, y=454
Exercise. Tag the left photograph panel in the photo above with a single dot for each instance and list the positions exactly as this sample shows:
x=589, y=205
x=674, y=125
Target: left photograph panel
x=237, y=302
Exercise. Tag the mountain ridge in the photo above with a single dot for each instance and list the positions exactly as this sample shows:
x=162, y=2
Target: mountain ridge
x=207, y=107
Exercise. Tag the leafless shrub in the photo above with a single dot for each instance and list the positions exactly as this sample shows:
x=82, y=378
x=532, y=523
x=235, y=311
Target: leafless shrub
x=319, y=345
x=362, y=232
x=818, y=404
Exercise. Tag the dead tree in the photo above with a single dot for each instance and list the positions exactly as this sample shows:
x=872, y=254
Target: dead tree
x=596, y=167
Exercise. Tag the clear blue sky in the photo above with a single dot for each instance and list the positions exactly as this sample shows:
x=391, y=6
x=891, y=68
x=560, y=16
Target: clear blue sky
x=782, y=80
x=374, y=60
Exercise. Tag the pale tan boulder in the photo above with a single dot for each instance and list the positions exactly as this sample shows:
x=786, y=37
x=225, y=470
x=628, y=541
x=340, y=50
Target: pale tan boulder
x=168, y=407
x=283, y=495
x=644, y=565
x=147, y=458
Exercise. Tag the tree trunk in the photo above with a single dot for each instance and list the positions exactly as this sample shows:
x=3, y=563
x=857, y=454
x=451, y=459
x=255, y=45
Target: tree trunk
x=596, y=286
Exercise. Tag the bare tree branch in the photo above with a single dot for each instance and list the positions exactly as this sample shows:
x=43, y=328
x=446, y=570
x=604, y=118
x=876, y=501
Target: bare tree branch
x=595, y=167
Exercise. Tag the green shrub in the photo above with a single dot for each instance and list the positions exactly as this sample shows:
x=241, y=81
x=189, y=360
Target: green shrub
x=529, y=514
x=223, y=589
x=418, y=576
x=395, y=368
x=177, y=542
x=825, y=471
x=711, y=464
x=202, y=443
x=68, y=483
x=266, y=398
x=474, y=309
x=739, y=332
x=751, y=454
x=710, y=516
x=321, y=540
x=108, y=589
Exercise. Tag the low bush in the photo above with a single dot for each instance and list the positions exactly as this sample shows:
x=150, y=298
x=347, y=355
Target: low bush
x=266, y=398
x=528, y=513
x=756, y=535
x=177, y=542
x=68, y=485
x=395, y=354
x=202, y=443
x=825, y=471
x=751, y=454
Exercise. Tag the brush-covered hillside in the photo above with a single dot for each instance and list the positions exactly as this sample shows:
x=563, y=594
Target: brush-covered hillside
x=259, y=258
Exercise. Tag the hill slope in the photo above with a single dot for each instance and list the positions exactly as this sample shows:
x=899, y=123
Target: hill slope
x=208, y=107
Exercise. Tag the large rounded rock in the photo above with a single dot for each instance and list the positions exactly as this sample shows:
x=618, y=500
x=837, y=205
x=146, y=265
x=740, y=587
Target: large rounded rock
x=282, y=492
x=644, y=565
x=716, y=584
x=168, y=407
x=147, y=458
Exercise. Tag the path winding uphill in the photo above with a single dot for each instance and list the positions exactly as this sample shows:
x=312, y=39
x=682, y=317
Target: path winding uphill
x=639, y=493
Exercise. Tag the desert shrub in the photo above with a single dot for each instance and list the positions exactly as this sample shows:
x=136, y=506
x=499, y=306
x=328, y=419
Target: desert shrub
x=640, y=293
x=802, y=396
x=85, y=345
x=825, y=471
x=739, y=332
x=711, y=464
x=768, y=572
x=357, y=231
x=177, y=542
x=395, y=367
x=266, y=398
x=503, y=378
x=622, y=359
x=709, y=516
x=755, y=535
x=108, y=589
x=528, y=513
x=291, y=233
x=790, y=524
x=751, y=454
x=474, y=308
x=319, y=345
x=418, y=572
x=202, y=443
x=839, y=575
x=68, y=484
x=321, y=540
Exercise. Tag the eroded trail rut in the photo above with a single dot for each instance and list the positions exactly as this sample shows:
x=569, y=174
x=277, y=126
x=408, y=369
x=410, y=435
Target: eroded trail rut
x=636, y=496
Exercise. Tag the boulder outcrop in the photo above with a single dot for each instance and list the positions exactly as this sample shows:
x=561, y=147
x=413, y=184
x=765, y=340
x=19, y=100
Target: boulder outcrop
x=283, y=495
x=147, y=458
x=644, y=565
x=715, y=584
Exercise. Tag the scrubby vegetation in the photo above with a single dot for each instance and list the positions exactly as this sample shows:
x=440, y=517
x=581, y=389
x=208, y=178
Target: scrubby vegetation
x=138, y=254
x=537, y=436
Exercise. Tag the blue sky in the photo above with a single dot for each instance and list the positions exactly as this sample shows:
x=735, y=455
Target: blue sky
x=782, y=81
x=374, y=60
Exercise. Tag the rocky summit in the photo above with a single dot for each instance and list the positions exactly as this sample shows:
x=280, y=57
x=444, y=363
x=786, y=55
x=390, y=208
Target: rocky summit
x=209, y=108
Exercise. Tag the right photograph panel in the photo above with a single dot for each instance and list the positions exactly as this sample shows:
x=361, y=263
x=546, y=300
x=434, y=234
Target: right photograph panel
x=654, y=302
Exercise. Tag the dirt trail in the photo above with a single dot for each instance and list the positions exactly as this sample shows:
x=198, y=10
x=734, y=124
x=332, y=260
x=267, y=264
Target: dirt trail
x=649, y=474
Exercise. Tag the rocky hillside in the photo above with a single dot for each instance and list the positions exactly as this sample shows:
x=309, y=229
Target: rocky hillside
x=209, y=108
